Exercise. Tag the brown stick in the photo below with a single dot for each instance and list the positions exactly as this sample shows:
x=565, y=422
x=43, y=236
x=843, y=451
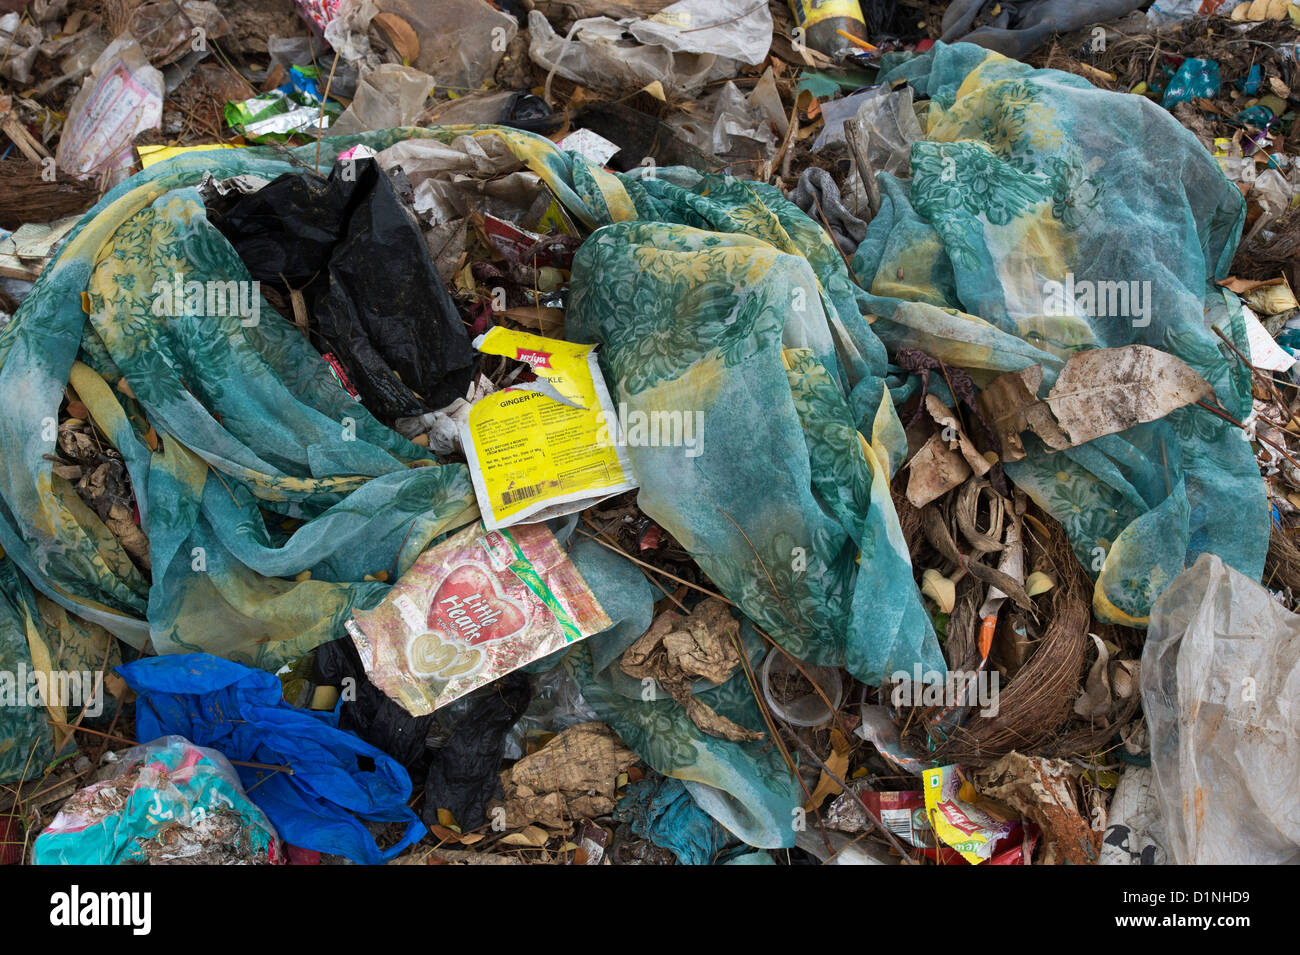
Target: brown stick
x=123, y=739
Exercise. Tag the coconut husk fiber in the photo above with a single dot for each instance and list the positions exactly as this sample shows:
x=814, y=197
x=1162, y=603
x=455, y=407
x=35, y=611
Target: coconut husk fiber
x=1036, y=705
x=27, y=197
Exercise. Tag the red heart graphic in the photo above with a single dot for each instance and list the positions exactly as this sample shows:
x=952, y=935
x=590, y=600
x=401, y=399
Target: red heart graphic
x=469, y=603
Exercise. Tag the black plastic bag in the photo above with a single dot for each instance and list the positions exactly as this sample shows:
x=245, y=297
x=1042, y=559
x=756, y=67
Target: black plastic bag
x=374, y=298
x=370, y=713
x=463, y=774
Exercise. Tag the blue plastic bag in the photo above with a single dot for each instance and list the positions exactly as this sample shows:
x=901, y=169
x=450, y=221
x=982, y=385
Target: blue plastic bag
x=240, y=712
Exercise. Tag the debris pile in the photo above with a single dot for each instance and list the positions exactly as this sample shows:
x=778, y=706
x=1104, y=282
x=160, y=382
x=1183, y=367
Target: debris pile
x=604, y=433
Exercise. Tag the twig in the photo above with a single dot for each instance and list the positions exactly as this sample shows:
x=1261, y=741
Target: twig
x=774, y=734
x=685, y=583
x=321, y=119
x=831, y=235
x=122, y=739
x=1258, y=437
x=892, y=839
x=757, y=556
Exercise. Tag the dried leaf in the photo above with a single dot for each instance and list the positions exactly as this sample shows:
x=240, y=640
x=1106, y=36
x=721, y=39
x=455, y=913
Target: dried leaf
x=1011, y=405
x=1095, y=700
x=838, y=762
x=400, y=35
x=1242, y=286
x=530, y=837
x=951, y=432
x=939, y=589
x=1108, y=390
x=1038, y=583
x=934, y=471
x=545, y=320
x=677, y=650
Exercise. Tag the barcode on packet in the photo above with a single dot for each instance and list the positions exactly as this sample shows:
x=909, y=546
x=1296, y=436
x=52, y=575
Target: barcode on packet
x=898, y=821
x=513, y=495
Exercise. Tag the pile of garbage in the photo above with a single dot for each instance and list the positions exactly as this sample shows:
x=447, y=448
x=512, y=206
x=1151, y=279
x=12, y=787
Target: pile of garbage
x=648, y=432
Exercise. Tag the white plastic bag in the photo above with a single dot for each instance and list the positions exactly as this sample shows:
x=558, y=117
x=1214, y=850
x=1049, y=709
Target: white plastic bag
x=122, y=96
x=1221, y=690
x=683, y=59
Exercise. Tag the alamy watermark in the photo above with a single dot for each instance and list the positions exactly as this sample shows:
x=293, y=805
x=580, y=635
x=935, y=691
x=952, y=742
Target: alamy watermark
x=1100, y=299
x=956, y=688
x=71, y=689
x=653, y=429
x=212, y=298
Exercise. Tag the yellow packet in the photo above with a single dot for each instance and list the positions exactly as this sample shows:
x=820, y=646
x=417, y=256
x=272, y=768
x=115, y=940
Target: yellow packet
x=154, y=154
x=542, y=449
x=960, y=817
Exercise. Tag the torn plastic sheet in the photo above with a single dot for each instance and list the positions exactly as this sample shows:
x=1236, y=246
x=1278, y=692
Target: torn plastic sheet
x=22, y=39
x=738, y=29
x=469, y=172
x=166, y=29
x=396, y=330
x=596, y=53
x=389, y=95
x=461, y=42
x=122, y=96
x=1220, y=680
x=241, y=712
x=884, y=128
x=723, y=118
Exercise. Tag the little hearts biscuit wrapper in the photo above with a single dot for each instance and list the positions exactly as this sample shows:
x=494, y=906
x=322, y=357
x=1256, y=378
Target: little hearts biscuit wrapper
x=470, y=610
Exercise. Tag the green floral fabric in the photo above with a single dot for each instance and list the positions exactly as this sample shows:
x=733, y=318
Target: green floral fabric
x=268, y=495
x=1027, y=177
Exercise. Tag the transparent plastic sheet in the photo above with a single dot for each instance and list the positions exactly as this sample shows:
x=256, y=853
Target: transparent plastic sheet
x=1221, y=693
x=22, y=40
x=887, y=126
x=726, y=116
x=170, y=802
x=387, y=96
x=461, y=42
x=596, y=53
x=737, y=29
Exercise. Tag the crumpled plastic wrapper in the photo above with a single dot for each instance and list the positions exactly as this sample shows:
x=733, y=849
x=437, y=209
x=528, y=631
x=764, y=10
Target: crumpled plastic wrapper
x=683, y=47
x=170, y=802
x=21, y=41
x=731, y=120
x=122, y=96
